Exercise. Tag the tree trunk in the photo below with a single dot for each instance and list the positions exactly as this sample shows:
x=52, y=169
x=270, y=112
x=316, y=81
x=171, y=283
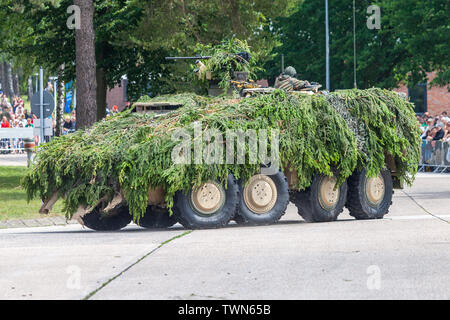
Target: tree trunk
x=4, y=79
x=16, y=84
x=60, y=102
x=101, y=94
x=101, y=83
x=30, y=88
x=101, y=80
x=9, y=81
x=85, y=66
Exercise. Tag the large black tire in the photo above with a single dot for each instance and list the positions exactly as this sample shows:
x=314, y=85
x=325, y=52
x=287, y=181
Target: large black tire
x=157, y=217
x=247, y=215
x=191, y=218
x=358, y=199
x=238, y=219
x=311, y=208
x=116, y=219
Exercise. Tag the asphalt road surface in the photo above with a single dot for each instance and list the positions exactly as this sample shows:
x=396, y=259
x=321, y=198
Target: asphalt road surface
x=404, y=256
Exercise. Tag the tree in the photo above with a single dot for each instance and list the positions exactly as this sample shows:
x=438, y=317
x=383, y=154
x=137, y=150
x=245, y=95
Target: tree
x=45, y=37
x=60, y=103
x=412, y=40
x=117, y=55
x=3, y=78
x=131, y=37
x=9, y=87
x=196, y=22
x=423, y=30
x=86, y=66
x=20, y=65
x=16, y=85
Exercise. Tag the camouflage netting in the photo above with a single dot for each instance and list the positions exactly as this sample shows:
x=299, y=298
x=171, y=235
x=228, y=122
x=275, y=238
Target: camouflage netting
x=130, y=152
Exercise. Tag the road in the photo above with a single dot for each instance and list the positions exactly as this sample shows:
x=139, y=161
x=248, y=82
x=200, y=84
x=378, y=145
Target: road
x=15, y=160
x=404, y=256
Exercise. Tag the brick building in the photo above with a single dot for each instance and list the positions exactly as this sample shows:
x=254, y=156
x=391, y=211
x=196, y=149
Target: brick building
x=117, y=95
x=435, y=100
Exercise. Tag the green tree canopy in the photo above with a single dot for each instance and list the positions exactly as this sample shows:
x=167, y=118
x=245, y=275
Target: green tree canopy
x=46, y=39
x=133, y=36
x=413, y=39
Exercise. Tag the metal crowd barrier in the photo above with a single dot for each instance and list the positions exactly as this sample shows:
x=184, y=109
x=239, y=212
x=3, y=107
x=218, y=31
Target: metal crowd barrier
x=12, y=140
x=435, y=155
x=15, y=145
x=11, y=145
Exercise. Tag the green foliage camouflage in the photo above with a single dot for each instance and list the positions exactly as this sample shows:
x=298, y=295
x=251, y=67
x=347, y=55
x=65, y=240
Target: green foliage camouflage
x=224, y=61
x=130, y=152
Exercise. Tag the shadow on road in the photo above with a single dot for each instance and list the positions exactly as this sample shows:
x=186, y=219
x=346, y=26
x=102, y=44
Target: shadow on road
x=136, y=229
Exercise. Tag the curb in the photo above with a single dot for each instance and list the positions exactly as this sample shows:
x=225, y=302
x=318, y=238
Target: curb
x=40, y=222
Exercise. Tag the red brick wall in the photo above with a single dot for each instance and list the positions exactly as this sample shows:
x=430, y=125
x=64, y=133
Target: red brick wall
x=115, y=96
x=438, y=98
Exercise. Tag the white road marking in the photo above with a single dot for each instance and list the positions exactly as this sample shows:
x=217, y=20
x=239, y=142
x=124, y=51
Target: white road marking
x=431, y=175
x=418, y=217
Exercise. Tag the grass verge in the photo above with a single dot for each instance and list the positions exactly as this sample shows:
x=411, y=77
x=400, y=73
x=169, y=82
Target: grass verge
x=13, y=199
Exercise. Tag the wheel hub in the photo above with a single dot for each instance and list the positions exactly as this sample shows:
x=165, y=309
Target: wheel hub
x=375, y=190
x=208, y=198
x=260, y=194
x=328, y=196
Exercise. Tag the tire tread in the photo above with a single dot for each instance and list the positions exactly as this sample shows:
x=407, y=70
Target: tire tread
x=354, y=204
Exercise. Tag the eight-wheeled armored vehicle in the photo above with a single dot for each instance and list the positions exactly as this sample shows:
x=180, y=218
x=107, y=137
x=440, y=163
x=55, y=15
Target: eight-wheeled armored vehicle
x=348, y=148
x=259, y=198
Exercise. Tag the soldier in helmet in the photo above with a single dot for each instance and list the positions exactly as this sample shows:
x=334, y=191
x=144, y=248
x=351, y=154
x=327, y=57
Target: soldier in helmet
x=201, y=70
x=288, y=80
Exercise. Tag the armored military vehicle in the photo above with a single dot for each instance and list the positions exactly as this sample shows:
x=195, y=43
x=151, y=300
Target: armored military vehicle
x=331, y=155
x=328, y=151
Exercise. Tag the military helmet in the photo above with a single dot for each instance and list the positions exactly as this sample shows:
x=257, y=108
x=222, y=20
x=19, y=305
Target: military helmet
x=290, y=71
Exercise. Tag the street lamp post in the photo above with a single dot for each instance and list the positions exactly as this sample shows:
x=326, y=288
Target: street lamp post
x=41, y=104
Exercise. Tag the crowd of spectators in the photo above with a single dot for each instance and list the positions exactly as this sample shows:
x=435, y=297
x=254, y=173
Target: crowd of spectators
x=14, y=115
x=435, y=134
x=69, y=124
x=434, y=128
